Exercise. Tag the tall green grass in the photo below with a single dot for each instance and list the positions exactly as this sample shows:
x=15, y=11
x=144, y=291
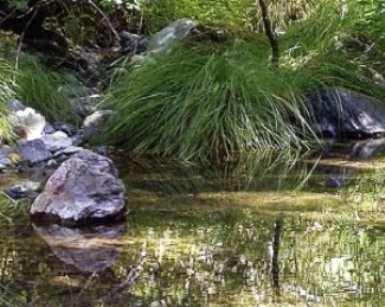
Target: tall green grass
x=7, y=87
x=208, y=102
x=201, y=102
x=38, y=87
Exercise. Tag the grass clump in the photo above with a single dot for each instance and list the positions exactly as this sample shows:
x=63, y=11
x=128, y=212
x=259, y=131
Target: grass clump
x=38, y=87
x=7, y=87
x=200, y=102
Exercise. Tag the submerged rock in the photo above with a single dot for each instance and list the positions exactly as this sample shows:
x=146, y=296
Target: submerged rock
x=84, y=189
x=341, y=113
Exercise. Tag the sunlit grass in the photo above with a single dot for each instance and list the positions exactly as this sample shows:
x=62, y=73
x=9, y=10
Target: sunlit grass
x=203, y=103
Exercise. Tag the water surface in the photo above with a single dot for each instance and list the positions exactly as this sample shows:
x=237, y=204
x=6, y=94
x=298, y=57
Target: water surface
x=272, y=229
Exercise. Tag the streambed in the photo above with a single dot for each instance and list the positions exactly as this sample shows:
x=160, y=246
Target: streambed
x=206, y=236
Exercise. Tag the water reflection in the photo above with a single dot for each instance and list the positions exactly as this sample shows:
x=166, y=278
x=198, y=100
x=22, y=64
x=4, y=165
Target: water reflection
x=207, y=235
x=89, y=250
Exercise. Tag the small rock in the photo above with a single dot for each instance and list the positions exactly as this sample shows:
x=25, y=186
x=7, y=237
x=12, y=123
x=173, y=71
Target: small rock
x=92, y=125
x=6, y=163
x=56, y=141
x=33, y=151
x=5, y=150
x=131, y=42
x=68, y=151
x=23, y=190
x=48, y=129
x=84, y=106
x=15, y=105
x=68, y=129
x=52, y=163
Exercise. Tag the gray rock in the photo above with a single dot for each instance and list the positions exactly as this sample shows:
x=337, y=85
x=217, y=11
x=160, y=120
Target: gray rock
x=91, y=126
x=52, y=163
x=6, y=163
x=67, y=151
x=167, y=37
x=49, y=129
x=341, y=113
x=5, y=150
x=68, y=129
x=131, y=42
x=89, y=250
x=84, y=106
x=15, y=105
x=84, y=189
x=23, y=190
x=56, y=141
x=33, y=151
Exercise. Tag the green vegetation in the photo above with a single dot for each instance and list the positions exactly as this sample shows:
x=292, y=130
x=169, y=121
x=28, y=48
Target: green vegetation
x=7, y=87
x=210, y=101
x=202, y=102
x=38, y=87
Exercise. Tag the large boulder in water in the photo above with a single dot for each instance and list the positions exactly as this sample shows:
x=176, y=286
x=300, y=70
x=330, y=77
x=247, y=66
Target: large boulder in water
x=84, y=189
x=341, y=113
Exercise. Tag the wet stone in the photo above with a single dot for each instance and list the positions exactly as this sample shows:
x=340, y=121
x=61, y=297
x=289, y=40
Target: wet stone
x=23, y=190
x=33, y=151
x=68, y=151
x=83, y=190
x=341, y=113
x=56, y=141
x=6, y=163
x=68, y=129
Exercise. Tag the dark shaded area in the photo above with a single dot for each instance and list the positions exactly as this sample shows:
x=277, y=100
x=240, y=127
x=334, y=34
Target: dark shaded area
x=29, y=24
x=344, y=114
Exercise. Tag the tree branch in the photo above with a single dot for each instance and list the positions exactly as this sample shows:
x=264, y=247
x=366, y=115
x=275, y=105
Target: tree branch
x=270, y=34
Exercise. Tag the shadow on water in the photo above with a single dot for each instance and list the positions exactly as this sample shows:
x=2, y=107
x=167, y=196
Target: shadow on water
x=266, y=229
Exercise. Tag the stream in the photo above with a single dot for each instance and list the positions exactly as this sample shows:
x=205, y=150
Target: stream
x=271, y=229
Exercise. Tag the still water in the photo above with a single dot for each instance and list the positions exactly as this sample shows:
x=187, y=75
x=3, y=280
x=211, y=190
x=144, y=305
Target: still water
x=272, y=229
